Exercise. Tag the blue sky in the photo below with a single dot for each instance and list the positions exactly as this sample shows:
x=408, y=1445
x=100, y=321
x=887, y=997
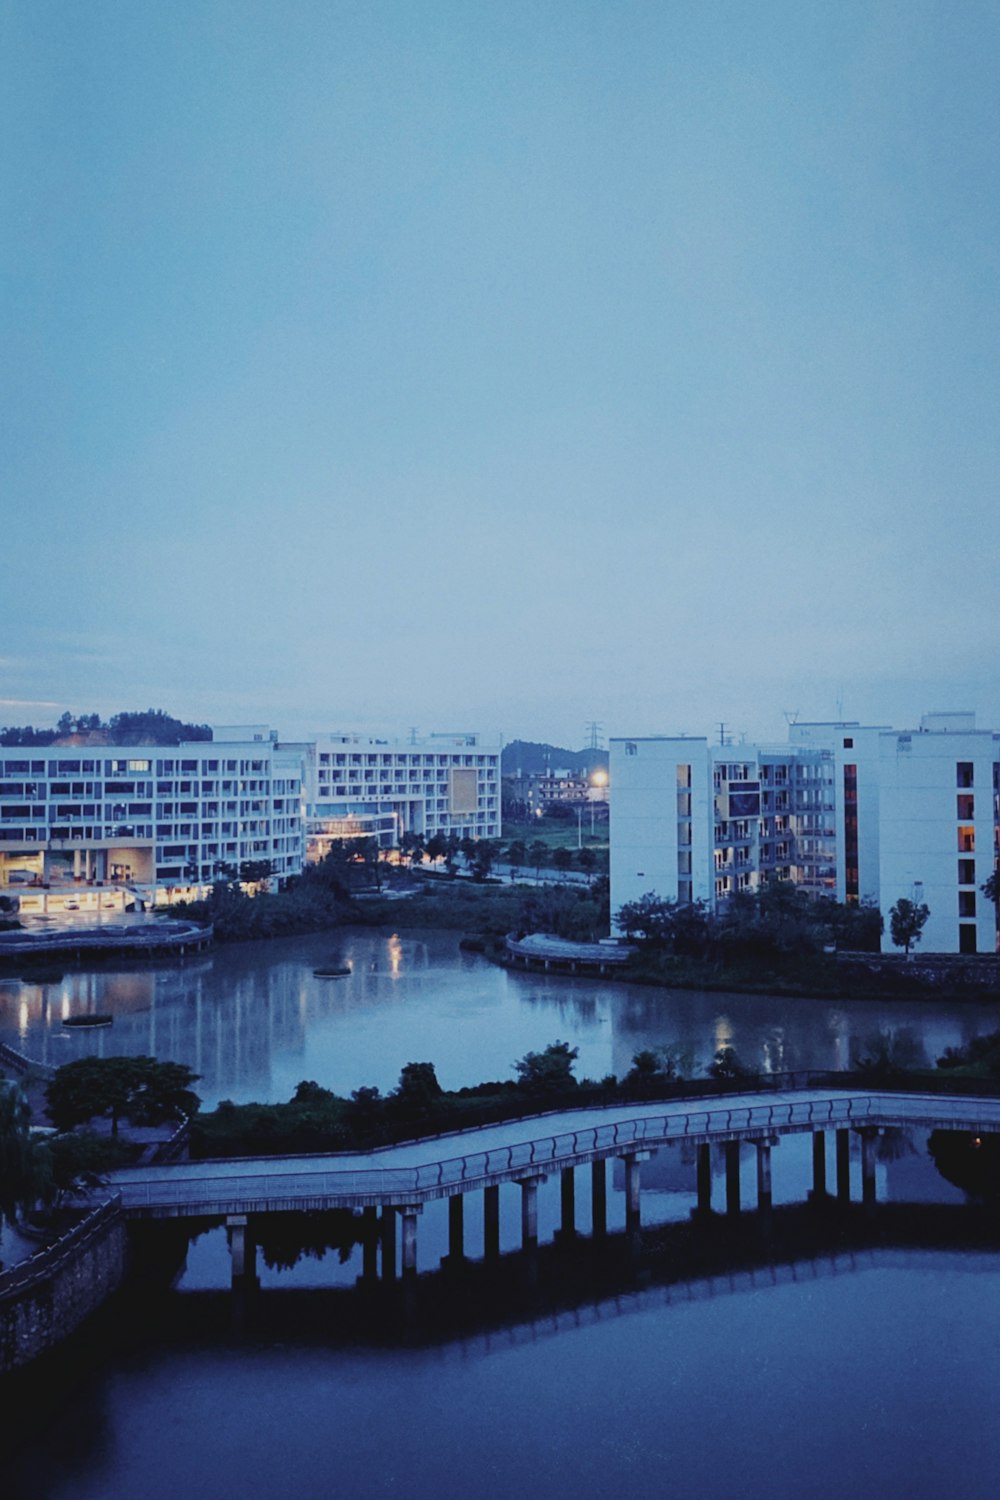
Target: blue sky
x=500, y=366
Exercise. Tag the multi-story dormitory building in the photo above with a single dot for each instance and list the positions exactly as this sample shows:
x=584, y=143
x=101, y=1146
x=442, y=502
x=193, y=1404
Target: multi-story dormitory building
x=357, y=786
x=159, y=821
x=862, y=813
x=83, y=826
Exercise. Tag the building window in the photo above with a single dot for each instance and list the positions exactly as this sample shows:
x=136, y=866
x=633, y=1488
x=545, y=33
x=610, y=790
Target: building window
x=966, y=903
x=631, y=748
x=967, y=872
x=966, y=806
x=966, y=838
x=963, y=773
x=966, y=937
x=848, y=744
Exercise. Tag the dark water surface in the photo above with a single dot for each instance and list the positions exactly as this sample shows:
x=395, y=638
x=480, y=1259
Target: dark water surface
x=878, y=1380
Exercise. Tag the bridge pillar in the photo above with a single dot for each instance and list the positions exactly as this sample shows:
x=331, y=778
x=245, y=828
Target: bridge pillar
x=599, y=1198
x=456, y=1229
x=529, y=1211
x=868, y=1138
x=409, y=1213
x=633, y=1212
x=763, y=1176
x=388, y=1243
x=819, y=1164
x=369, y=1245
x=732, y=1177
x=491, y=1222
x=567, y=1200
x=843, y=1166
x=704, y=1177
x=242, y=1250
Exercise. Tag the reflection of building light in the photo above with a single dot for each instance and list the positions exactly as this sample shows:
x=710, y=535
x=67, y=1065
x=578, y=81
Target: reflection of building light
x=395, y=955
x=723, y=1032
x=22, y=1020
x=65, y=1004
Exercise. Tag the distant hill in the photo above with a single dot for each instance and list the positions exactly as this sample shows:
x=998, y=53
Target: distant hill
x=527, y=758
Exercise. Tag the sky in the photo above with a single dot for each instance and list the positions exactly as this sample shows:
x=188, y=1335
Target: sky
x=500, y=366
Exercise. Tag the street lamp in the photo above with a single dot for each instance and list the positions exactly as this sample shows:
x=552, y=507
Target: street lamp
x=598, y=781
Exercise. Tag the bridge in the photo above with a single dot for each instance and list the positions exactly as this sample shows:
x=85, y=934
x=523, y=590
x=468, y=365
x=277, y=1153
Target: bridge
x=396, y=1181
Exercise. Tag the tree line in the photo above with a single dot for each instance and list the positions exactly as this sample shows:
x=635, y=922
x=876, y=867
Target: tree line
x=150, y=726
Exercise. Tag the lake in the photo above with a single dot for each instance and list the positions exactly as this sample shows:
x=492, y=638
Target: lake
x=872, y=1374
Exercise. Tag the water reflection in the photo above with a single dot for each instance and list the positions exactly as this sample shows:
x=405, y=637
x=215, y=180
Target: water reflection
x=255, y=1019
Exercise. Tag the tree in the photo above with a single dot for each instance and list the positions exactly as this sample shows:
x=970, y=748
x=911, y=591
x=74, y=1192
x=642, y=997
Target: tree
x=138, y=1089
x=483, y=854
x=411, y=847
x=24, y=1166
x=517, y=854
x=436, y=847
x=906, y=922
x=548, y=1072
x=418, y=1087
x=728, y=1067
x=651, y=919
x=991, y=889
x=538, y=853
x=256, y=872
x=562, y=858
x=587, y=860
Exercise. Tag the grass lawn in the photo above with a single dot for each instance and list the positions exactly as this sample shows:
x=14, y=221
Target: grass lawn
x=558, y=833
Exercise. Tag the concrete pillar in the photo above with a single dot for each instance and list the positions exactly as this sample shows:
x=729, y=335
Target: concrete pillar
x=567, y=1191
x=388, y=1239
x=819, y=1164
x=843, y=1166
x=868, y=1139
x=529, y=1211
x=242, y=1250
x=633, y=1213
x=456, y=1227
x=369, y=1245
x=732, y=1177
x=409, y=1214
x=77, y=866
x=491, y=1222
x=763, y=1176
x=704, y=1170
x=599, y=1197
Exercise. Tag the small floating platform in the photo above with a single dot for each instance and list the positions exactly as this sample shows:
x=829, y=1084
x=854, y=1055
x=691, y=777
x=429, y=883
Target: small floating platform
x=340, y=972
x=81, y=1023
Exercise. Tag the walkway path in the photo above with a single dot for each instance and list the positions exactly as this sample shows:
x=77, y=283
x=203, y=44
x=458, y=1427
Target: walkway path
x=445, y=1166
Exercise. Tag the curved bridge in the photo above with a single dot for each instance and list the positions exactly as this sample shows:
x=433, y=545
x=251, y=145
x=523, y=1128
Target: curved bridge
x=405, y=1177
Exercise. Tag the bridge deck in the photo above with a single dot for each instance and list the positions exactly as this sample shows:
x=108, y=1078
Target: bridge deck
x=442, y=1166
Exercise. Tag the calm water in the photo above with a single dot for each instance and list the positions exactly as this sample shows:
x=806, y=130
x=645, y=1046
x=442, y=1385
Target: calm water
x=253, y=1020
x=874, y=1382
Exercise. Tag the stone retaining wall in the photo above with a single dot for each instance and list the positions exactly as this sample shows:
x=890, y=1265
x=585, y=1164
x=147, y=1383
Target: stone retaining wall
x=45, y=1298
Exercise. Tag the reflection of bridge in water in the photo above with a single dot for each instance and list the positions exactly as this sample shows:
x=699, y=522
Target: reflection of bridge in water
x=393, y=1183
x=579, y=1281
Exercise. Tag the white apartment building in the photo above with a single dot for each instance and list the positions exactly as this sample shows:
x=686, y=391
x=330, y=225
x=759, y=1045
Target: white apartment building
x=159, y=822
x=860, y=812
x=357, y=786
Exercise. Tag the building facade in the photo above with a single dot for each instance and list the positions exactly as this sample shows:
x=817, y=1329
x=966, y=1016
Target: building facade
x=860, y=813
x=157, y=822
x=356, y=786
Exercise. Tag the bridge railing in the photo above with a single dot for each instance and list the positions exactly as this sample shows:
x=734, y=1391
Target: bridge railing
x=471, y=1169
